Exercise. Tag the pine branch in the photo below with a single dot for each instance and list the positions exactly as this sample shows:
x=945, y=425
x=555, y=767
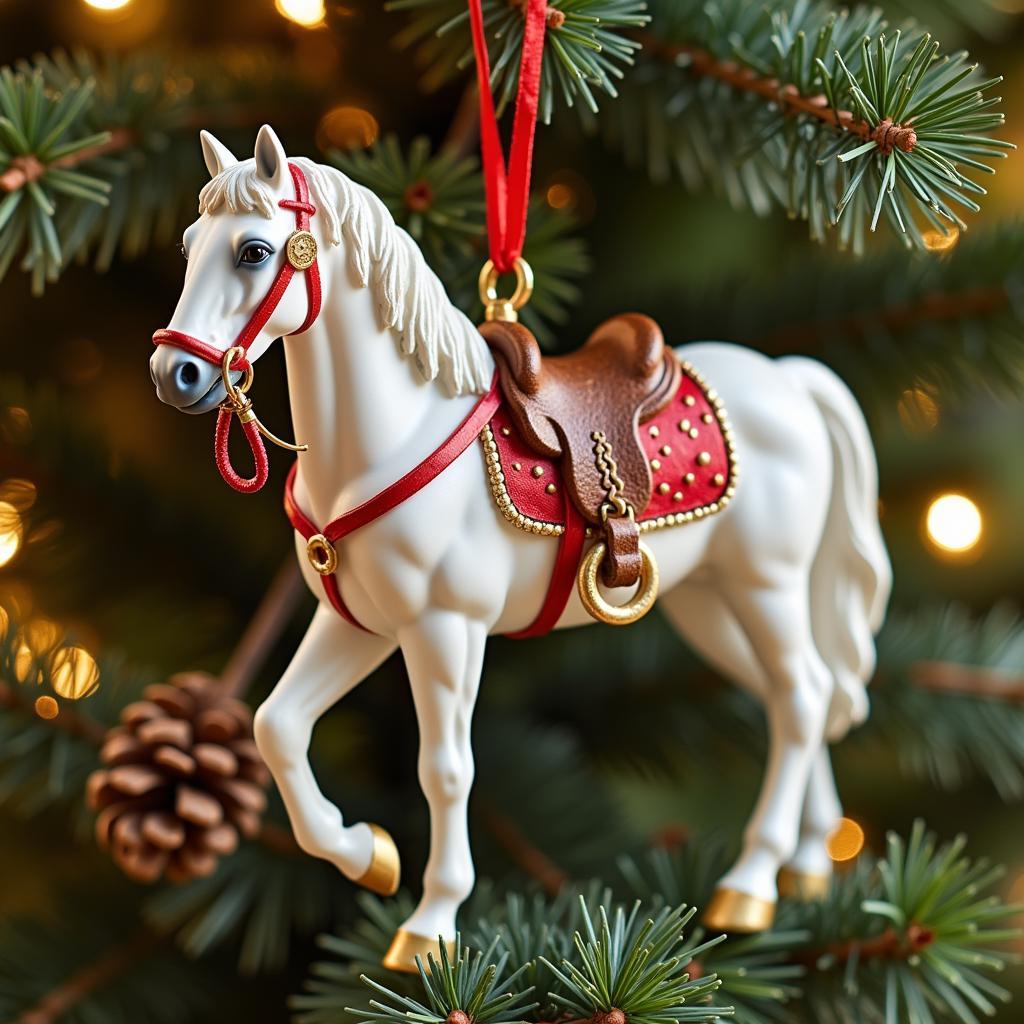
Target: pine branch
x=94, y=963
x=968, y=681
x=584, y=53
x=821, y=113
x=99, y=156
x=439, y=199
x=952, y=324
x=943, y=734
x=917, y=929
x=110, y=965
x=944, y=738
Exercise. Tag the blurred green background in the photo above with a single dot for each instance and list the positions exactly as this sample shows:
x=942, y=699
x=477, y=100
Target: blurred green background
x=135, y=547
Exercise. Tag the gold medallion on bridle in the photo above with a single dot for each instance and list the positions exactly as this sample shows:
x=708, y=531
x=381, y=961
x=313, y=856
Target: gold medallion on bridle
x=301, y=250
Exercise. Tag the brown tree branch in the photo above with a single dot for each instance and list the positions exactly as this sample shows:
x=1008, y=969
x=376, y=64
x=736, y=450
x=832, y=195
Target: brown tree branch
x=264, y=629
x=890, y=945
x=790, y=100
x=71, y=721
x=532, y=860
x=23, y=169
x=968, y=680
x=935, y=307
x=109, y=965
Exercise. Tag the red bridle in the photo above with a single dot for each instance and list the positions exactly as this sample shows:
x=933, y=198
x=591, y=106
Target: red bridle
x=301, y=255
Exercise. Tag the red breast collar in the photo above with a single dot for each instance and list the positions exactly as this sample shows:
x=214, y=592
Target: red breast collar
x=320, y=544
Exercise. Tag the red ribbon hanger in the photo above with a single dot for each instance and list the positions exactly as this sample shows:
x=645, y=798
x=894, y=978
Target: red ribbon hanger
x=508, y=190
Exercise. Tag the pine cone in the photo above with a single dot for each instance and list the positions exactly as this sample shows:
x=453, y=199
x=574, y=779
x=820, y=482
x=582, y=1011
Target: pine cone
x=183, y=778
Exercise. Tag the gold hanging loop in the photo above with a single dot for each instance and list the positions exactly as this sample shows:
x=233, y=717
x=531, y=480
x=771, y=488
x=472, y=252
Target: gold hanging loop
x=497, y=308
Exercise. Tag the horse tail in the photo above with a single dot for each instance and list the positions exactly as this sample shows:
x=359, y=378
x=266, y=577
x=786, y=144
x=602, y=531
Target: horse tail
x=851, y=578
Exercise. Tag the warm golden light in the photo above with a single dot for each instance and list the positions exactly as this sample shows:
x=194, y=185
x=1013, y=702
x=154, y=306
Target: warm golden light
x=846, y=840
x=560, y=196
x=307, y=13
x=953, y=523
x=41, y=635
x=107, y=5
x=26, y=667
x=347, y=128
x=10, y=532
x=74, y=673
x=941, y=241
x=47, y=707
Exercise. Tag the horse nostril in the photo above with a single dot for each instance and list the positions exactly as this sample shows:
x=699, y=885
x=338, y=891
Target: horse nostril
x=189, y=374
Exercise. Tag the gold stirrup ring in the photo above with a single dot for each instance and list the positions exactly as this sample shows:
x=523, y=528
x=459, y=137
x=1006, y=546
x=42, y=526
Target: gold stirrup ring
x=594, y=601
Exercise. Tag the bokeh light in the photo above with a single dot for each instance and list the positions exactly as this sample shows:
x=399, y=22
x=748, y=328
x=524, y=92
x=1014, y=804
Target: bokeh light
x=74, y=673
x=347, y=128
x=560, y=196
x=953, y=523
x=41, y=635
x=47, y=707
x=107, y=5
x=10, y=532
x=845, y=841
x=941, y=241
x=307, y=13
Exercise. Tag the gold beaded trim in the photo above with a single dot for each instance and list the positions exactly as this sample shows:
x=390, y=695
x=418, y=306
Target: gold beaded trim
x=715, y=401
x=496, y=476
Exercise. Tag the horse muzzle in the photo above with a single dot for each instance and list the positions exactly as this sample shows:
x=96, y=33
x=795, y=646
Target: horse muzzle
x=183, y=380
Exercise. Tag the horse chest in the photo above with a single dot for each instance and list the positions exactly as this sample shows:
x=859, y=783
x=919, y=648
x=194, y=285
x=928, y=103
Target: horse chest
x=439, y=549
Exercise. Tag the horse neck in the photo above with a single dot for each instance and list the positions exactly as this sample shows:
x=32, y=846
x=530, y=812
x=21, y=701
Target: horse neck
x=365, y=410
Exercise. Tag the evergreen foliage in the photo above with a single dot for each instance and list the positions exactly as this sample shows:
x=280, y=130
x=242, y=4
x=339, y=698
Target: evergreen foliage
x=911, y=937
x=847, y=119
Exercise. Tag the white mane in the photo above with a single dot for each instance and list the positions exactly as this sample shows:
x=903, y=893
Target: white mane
x=410, y=299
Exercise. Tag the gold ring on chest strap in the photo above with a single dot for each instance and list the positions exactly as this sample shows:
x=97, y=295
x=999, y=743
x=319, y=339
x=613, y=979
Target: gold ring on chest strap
x=322, y=554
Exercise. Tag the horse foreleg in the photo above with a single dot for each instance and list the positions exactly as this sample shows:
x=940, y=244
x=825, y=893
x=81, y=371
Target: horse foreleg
x=443, y=654
x=777, y=622
x=332, y=659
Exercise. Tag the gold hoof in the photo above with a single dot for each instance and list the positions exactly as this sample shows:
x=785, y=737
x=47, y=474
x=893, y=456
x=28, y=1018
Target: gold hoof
x=798, y=885
x=733, y=911
x=406, y=946
x=385, y=870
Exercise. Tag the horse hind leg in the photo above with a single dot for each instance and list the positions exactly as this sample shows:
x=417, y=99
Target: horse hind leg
x=776, y=621
x=705, y=621
x=808, y=873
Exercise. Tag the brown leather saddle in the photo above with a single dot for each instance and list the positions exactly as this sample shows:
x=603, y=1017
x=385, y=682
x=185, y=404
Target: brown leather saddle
x=585, y=409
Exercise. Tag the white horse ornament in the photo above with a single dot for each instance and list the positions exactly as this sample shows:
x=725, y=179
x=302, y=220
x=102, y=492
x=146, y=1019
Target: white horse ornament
x=415, y=536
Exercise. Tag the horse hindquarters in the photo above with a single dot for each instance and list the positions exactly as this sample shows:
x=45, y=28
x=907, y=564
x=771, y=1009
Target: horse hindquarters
x=851, y=577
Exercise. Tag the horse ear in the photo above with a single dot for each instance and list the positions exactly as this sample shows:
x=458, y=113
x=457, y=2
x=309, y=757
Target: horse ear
x=271, y=162
x=217, y=156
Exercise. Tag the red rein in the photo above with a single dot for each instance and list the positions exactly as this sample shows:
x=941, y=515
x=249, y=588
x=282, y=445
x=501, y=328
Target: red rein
x=298, y=260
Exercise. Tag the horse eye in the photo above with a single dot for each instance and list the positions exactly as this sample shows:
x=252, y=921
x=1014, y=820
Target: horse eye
x=183, y=250
x=254, y=254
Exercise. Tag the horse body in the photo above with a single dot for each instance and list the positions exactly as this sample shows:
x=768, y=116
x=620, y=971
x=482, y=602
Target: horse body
x=781, y=591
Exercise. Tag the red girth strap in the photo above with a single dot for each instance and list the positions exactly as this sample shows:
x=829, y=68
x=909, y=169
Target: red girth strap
x=392, y=496
x=303, y=210
x=570, y=544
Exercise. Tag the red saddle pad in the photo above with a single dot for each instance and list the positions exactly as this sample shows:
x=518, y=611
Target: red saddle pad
x=689, y=444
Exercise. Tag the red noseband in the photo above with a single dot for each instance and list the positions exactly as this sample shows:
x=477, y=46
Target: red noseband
x=301, y=255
